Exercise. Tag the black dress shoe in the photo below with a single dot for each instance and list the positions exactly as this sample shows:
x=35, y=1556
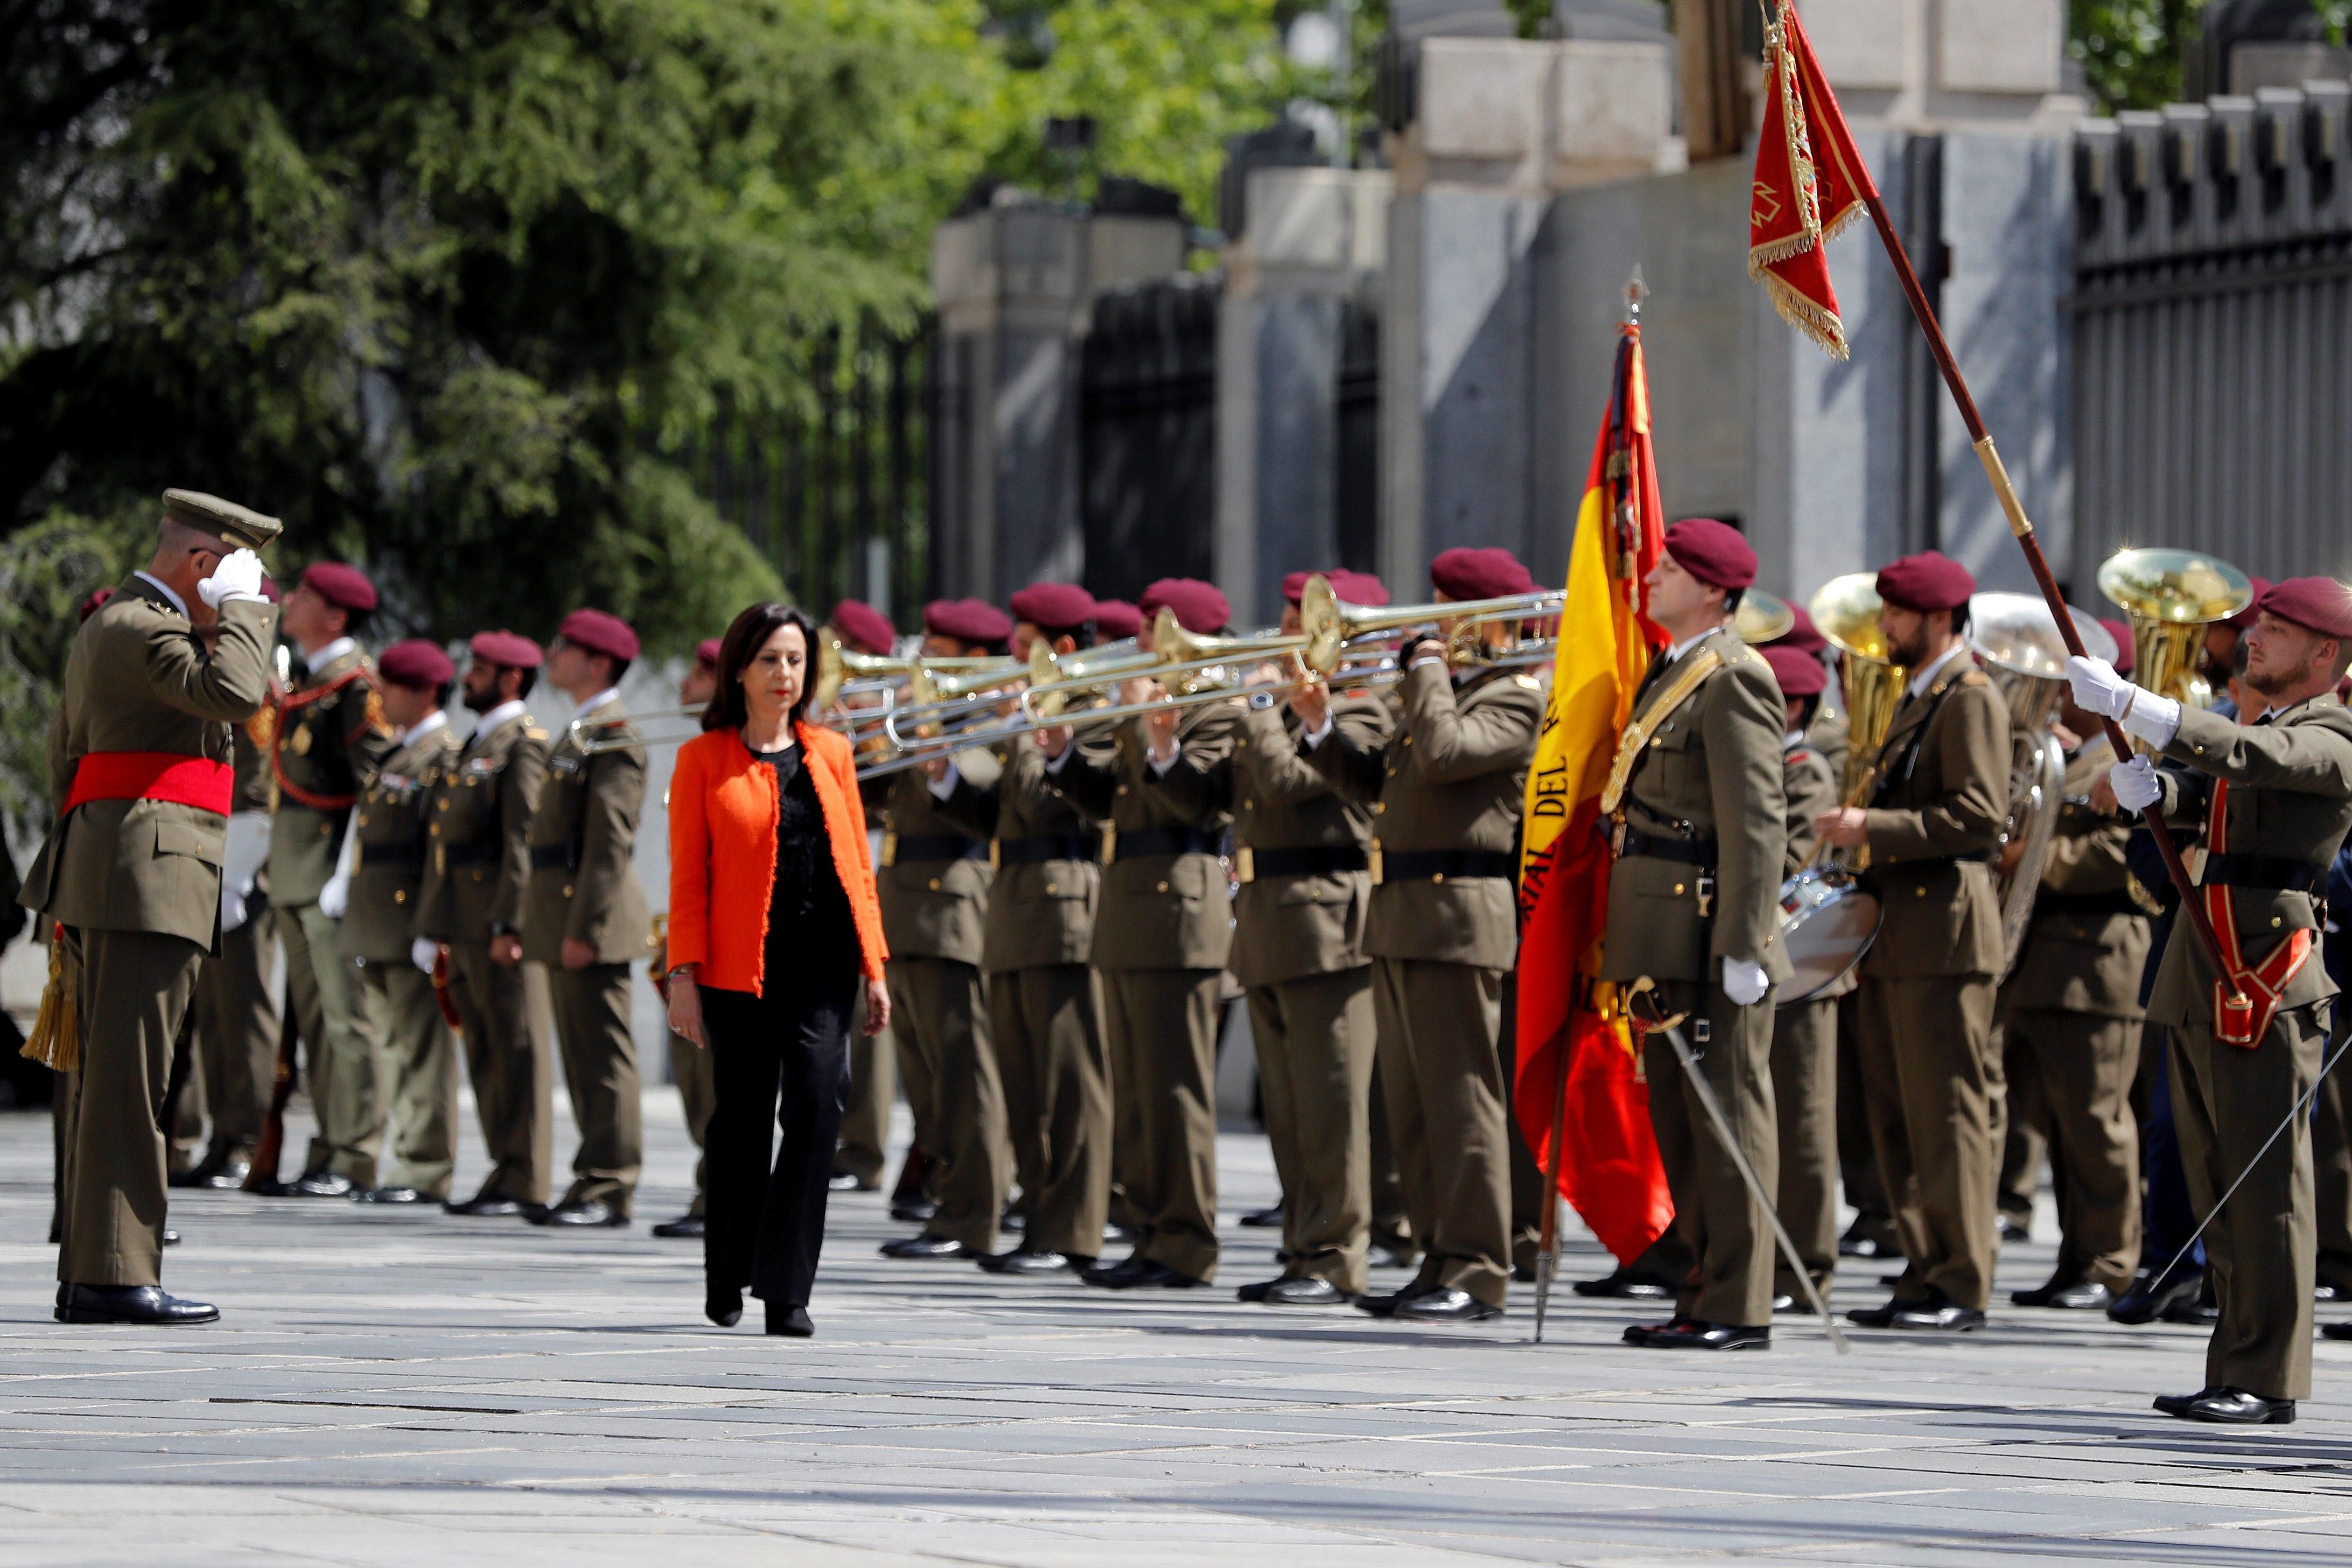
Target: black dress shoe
x=1693, y=1335
x=1105, y=1269
x=724, y=1308
x=685, y=1228
x=2336, y=1331
x=1263, y=1219
x=1025, y=1262
x=386, y=1195
x=2230, y=1407
x=2013, y=1232
x=1293, y=1292
x=1386, y=1306
x=2203, y=1308
x=1787, y=1303
x=1012, y=1222
x=2068, y=1296
x=171, y=1236
x=1859, y=1243
x=320, y=1184
x=848, y=1182
x=914, y=1211
x=1146, y=1274
x=791, y=1321
x=1626, y=1285
x=1639, y=1334
x=1876, y=1317
x=2145, y=1301
x=593, y=1214
x=925, y=1245
x=1940, y=1313
x=1128, y=1235
x=1380, y=1255
x=2178, y=1404
x=143, y=1304
x=1445, y=1305
x=194, y=1176
x=229, y=1177
x=485, y=1207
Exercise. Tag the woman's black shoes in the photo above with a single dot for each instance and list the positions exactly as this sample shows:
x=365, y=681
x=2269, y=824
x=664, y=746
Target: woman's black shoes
x=792, y=1321
x=724, y=1308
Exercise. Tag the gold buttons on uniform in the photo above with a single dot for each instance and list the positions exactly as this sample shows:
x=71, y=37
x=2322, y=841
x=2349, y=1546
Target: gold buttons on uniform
x=435, y=831
x=326, y=828
x=362, y=819
x=1052, y=888
x=1122, y=789
x=400, y=895
x=1408, y=739
x=935, y=883
x=1379, y=806
x=567, y=892
x=1678, y=889
x=1439, y=878
x=1163, y=886
x=2274, y=922
x=1249, y=806
x=1921, y=892
x=445, y=805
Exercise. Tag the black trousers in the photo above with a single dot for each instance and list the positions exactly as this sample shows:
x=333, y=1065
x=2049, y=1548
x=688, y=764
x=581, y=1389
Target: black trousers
x=785, y=1056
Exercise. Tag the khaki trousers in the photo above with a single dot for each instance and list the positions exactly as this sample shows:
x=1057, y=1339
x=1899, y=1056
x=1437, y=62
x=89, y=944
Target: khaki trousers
x=236, y=1020
x=690, y=1069
x=1160, y=1025
x=1927, y=1077
x=512, y=1069
x=184, y=1137
x=865, y=1151
x=1442, y=1081
x=600, y=1072
x=2081, y=1067
x=939, y=1016
x=2025, y=1135
x=1720, y=1223
x=136, y=988
x=2331, y=1154
x=419, y=1062
x=1047, y=1023
x=339, y=1066
x=1315, y=1042
x=2261, y=1251
x=1804, y=1102
x=1390, y=1225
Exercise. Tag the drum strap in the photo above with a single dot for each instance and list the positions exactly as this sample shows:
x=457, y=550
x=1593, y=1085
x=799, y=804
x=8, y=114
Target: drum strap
x=2242, y=1020
x=1695, y=669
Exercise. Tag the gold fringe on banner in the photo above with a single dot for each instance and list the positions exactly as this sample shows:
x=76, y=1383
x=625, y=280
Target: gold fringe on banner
x=55, y=1041
x=1822, y=326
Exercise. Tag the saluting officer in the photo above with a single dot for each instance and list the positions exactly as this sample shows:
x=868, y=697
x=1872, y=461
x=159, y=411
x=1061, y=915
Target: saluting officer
x=584, y=917
x=1162, y=933
x=329, y=741
x=477, y=870
x=1447, y=791
x=380, y=932
x=1696, y=803
x=2273, y=789
x=139, y=774
x=865, y=1153
x=934, y=881
x=1928, y=982
x=1043, y=1016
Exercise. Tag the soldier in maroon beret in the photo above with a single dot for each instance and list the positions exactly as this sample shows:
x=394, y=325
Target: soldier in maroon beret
x=1199, y=607
x=1826, y=733
x=972, y=626
x=1060, y=609
x=1490, y=573
x=1116, y=620
x=862, y=628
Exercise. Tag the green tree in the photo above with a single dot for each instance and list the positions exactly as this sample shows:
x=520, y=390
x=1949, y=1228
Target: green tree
x=2132, y=50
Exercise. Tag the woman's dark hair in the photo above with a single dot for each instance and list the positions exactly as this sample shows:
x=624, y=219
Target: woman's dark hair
x=744, y=639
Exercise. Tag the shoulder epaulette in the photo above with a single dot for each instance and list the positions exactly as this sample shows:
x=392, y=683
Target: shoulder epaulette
x=1974, y=677
x=1529, y=681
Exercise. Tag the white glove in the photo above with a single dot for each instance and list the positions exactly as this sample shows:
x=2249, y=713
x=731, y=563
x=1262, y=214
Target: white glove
x=2136, y=784
x=336, y=896
x=1745, y=982
x=239, y=576
x=243, y=851
x=2099, y=690
x=424, y=952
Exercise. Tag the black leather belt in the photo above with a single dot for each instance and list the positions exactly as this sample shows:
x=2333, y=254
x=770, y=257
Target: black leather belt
x=1428, y=864
x=1322, y=860
x=1657, y=847
x=1040, y=848
x=911, y=848
x=1145, y=843
x=2085, y=906
x=391, y=854
x=472, y=853
x=555, y=857
x=2265, y=872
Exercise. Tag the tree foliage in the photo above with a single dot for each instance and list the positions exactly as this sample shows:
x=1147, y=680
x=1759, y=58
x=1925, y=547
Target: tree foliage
x=2132, y=50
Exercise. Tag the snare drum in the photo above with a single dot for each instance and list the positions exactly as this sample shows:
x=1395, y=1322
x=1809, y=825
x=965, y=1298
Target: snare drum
x=1827, y=922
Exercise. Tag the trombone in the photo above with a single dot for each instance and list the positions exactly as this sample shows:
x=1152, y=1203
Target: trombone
x=598, y=747
x=1334, y=629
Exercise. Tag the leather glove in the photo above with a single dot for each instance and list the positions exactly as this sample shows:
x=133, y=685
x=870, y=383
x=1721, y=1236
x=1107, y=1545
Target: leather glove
x=2136, y=784
x=239, y=576
x=2098, y=690
x=1745, y=982
x=424, y=952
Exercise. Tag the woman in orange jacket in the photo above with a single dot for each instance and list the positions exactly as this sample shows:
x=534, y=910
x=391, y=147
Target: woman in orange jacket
x=772, y=922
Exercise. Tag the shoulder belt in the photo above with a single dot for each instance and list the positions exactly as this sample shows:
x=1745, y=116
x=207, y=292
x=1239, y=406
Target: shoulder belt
x=2242, y=1020
x=1672, y=696
x=288, y=702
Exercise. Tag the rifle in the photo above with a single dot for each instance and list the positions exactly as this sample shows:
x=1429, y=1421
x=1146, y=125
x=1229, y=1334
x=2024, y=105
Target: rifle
x=271, y=1146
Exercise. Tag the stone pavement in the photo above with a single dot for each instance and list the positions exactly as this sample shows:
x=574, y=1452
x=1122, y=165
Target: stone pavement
x=392, y=1388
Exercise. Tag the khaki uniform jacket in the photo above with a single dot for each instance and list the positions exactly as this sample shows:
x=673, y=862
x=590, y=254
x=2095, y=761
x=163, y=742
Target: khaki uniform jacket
x=1943, y=793
x=1045, y=909
x=1831, y=737
x=1159, y=911
x=477, y=835
x=933, y=906
x=329, y=748
x=583, y=835
x=2077, y=957
x=1452, y=776
x=139, y=679
x=1810, y=781
x=2290, y=781
x=379, y=924
x=1289, y=927
x=1713, y=773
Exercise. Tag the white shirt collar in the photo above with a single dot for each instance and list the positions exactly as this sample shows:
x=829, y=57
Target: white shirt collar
x=1683, y=646
x=610, y=694
x=1926, y=676
x=326, y=656
x=1792, y=740
x=436, y=720
x=497, y=716
x=165, y=589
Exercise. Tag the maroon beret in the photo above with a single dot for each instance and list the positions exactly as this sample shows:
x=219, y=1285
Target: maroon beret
x=1294, y=587
x=598, y=632
x=2246, y=617
x=1199, y=608
x=511, y=650
x=2124, y=654
x=416, y=663
x=1116, y=620
x=1359, y=588
x=97, y=596
x=865, y=628
x=2321, y=605
x=269, y=588
x=1800, y=674
x=1492, y=573
x=1715, y=553
x=1926, y=582
x=1802, y=634
x=967, y=620
x=1054, y=607
x=706, y=653
x=346, y=587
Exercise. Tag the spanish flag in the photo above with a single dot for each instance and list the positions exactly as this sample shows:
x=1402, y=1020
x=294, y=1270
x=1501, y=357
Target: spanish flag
x=1568, y=1020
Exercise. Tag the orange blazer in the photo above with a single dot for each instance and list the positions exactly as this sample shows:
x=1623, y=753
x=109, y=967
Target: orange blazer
x=722, y=854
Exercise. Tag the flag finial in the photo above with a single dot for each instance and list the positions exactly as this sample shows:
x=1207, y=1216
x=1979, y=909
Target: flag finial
x=1635, y=292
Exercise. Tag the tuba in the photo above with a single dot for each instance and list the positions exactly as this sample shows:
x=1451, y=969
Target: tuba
x=2016, y=641
x=1762, y=618
x=1846, y=611
x=2171, y=596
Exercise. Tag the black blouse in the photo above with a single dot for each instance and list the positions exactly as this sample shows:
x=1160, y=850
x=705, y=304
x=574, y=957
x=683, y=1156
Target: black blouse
x=812, y=935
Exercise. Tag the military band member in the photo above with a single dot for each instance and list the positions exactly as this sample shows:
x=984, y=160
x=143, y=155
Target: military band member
x=864, y=1152
x=1936, y=810
x=934, y=882
x=139, y=774
x=477, y=871
x=393, y=963
x=1447, y=791
x=329, y=740
x=689, y=1065
x=2272, y=790
x=1805, y=1034
x=1696, y=804
x=1163, y=930
x=584, y=916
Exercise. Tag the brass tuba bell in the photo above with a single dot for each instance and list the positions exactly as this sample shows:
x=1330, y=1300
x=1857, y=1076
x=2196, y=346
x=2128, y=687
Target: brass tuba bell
x=1762, y=618
x=2171, y=596
x=1846, y=611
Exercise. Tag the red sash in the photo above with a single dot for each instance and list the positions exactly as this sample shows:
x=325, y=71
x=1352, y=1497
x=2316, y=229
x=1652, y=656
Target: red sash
x=2242, y=1020
x=174, y=776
